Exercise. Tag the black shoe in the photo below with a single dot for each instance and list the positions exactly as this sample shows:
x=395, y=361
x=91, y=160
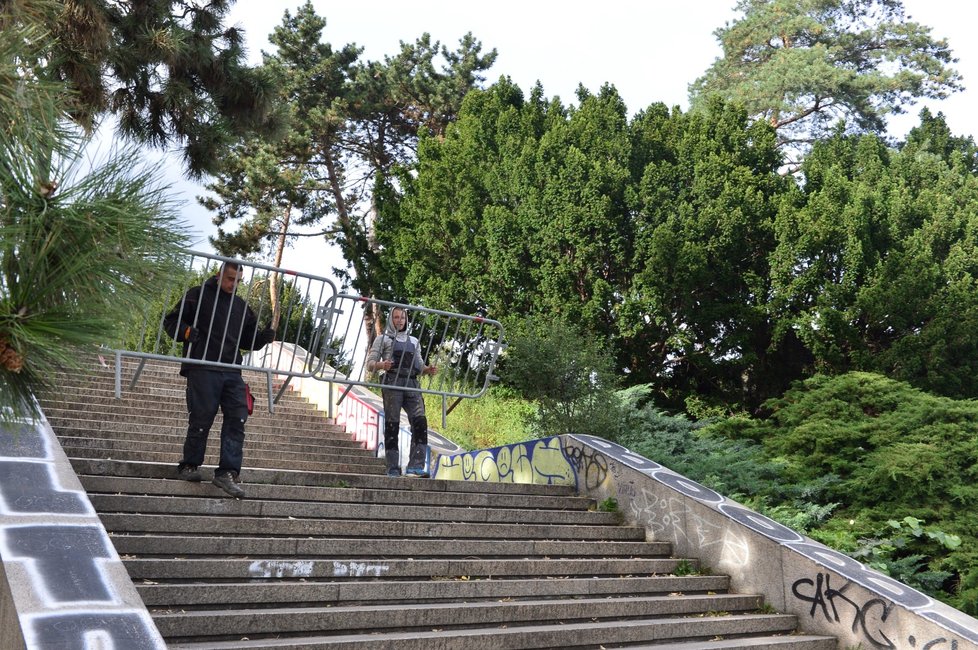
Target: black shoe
x=226, y=483
x=189, y=473
x=394, y=473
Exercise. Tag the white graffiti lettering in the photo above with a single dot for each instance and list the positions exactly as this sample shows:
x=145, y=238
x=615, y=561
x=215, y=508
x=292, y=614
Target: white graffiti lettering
x=280, y=569
x=359, y=569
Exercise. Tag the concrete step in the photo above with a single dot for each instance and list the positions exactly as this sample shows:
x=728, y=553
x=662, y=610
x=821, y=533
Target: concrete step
x=96, y=484
x=592, y=634
x=290, y=406
x=165, y=441
x=172, y=402
x=367, y=465
x=151, y=368
x=238, y=595
x=232, y=568
x=328, y=552
x=311, y=432
x=792, y=641
x=171, y=390
x=476, y=641
x=324, y=511
x=216, y=544
x=296, y=440
x=442, y=615
x=224, y=518
x=256, y=444
x=164, y=469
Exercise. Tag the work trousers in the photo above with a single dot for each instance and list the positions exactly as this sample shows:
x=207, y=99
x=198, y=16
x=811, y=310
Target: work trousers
x=206, y=391
x=413, y=405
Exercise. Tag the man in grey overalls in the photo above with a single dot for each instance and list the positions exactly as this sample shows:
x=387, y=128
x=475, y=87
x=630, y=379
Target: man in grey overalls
x=398, y=355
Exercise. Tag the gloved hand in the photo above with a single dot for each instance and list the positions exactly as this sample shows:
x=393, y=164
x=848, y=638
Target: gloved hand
x=191, y=334
x=267, y=336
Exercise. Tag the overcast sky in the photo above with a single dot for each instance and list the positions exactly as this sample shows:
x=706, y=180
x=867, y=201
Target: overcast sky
x=650, y=50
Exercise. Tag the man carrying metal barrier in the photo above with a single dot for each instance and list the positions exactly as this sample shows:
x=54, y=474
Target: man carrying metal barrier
x=398, y=355
x=214, y=325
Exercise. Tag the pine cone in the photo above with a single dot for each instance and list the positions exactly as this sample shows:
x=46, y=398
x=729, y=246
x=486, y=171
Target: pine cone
x=10, y=359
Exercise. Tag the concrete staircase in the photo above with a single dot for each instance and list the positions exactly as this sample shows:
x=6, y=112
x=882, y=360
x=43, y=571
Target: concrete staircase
x=327, y=552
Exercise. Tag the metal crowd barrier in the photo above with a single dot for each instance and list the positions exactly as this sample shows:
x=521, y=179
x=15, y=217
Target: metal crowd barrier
x=465, y=348
x=300, y=297
x=335, y=329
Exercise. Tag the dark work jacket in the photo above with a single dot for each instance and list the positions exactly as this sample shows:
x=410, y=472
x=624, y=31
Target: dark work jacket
x=225, y=323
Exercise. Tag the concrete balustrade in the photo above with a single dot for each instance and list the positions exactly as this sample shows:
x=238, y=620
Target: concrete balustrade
x=829, y=592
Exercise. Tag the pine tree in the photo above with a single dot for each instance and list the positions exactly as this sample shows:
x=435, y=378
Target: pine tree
x=168, y=70
x=81, y=248
x=803, y=65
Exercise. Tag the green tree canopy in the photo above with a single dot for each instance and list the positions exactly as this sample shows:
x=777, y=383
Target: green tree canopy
x=653, y=235
x=803, y=65
x=274, y=191
x=460, y=237
x=352, y=122
x=934, y=136
x=673, y=238
x=169, y=70
x=704, y=209
x=876, y=266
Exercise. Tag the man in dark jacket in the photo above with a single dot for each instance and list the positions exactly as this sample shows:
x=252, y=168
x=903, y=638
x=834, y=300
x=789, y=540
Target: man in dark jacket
x=215, y=325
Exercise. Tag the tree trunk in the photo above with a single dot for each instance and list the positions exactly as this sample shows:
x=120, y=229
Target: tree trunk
x=273, y=285
x=371, y=323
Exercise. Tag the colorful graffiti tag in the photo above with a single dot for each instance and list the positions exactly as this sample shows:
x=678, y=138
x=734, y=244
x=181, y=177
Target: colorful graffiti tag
x=360, y=419
x=538, y=461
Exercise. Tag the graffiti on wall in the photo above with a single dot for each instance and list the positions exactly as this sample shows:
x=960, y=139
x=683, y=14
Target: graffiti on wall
x=867, y=617
x=591, y=466
x=359, y=419
x=51, y=535
x=666, y=519
x=871, y=619
x=538, y=461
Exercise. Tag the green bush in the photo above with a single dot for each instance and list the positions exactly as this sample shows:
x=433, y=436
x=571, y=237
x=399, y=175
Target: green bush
x=570, y=377
x=500, y=417
x=883, y=452
x=736, y=468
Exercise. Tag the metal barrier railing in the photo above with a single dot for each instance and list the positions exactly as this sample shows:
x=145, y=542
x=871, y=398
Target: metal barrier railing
x=466, y=349
x=335, y=329
x=297, y=301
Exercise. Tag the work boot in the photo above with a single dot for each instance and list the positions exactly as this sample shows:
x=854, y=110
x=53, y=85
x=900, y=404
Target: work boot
x=393, y=462
x=226, y=482
x=189, y=473
x=418, y=461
